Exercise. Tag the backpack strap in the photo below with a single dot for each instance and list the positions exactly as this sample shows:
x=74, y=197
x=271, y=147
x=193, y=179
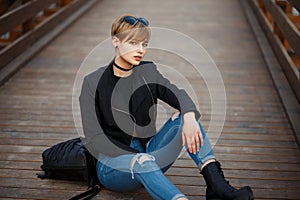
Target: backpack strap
x=89, y=194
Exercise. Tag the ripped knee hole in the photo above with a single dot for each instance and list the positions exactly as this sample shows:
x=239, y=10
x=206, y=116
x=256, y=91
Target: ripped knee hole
x=140, y=158
x=175, y=115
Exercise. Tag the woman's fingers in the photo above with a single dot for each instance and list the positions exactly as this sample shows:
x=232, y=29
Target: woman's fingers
x=192, y=147
x=187, y=140
x=201, y=137
x=192, y=144
x=193, y=140
x=198, y=144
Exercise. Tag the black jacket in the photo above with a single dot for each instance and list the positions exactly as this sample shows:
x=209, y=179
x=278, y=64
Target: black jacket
x=127, y=108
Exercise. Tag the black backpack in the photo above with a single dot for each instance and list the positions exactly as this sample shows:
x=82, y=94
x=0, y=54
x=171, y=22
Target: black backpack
x=70, y=160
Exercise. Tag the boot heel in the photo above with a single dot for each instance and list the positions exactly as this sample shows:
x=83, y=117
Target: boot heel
x=244, y=193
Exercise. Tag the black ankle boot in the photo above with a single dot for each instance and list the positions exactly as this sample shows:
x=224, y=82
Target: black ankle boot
x=220, y=189
x=210, y=194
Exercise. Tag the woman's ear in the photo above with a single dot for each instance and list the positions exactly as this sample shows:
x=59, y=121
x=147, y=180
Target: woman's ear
x=115, y=41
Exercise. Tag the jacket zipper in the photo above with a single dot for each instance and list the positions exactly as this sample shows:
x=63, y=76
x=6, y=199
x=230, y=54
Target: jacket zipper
x=134, y=120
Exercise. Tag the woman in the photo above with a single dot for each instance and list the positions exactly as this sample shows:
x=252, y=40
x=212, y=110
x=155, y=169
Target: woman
x=118, y=108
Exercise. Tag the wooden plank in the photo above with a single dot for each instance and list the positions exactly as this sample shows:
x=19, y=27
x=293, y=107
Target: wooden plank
x=224, y=149
x=232, y=142
x=21, y=14
x=258, y=143
x=225, y=136
x=267, y=184
x=236, y=174
x=36, y=135
x=255, y=151
x=19, y=173
x=276, y=194
x=70, y=123
x=24, y=165
x=259, y=193
x=48, y=194
x=238, y=165
x=30, y=141
x=21, y=157
x=36, y=183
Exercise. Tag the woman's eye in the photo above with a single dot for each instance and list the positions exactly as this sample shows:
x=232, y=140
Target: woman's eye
x=132, y=43
x=145, y=44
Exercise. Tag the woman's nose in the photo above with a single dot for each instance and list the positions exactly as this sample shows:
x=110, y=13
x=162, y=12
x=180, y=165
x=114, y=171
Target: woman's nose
x=141, y=48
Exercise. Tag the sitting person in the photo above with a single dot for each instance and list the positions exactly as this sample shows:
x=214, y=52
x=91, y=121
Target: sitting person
x=118, y=109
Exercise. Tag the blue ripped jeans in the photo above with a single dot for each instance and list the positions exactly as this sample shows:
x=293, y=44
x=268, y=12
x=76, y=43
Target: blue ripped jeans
x=133, y=171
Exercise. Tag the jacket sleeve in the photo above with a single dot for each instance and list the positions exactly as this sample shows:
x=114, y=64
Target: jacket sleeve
x=94, y=138
x=175, y=97
x=90, y=123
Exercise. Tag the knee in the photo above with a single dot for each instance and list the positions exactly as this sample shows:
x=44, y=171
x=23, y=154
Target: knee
x=142, y=158
x=175, y=115
x=176, y=119
x=142, y=163
x=145, y=157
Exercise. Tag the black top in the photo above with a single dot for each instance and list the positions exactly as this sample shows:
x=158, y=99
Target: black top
x=116, y=79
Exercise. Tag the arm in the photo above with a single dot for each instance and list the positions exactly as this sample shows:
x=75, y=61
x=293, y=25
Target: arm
x=95, y=139
x=175, y=97
x=179, y=99
x=90, y=124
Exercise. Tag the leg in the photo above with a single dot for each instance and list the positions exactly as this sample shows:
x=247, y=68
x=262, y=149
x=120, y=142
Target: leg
x=166, y=134
x=166, y=145
x=217, y=187
x=206, y=154
x=130, y=172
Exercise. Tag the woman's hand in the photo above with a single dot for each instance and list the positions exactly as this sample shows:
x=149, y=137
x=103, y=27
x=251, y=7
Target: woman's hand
x=191, y=133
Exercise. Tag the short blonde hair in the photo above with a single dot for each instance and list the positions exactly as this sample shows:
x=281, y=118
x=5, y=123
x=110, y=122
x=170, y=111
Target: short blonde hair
x=126, y=31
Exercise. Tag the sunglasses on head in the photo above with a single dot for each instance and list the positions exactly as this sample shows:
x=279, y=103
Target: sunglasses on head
x=133, y=20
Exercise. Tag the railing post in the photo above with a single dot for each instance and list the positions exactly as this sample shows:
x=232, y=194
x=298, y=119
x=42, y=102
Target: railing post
x=65, y=2
x=28, y=25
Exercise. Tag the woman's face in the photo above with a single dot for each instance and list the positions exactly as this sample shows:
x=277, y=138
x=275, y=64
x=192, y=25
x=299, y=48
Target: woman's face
x=132, y=51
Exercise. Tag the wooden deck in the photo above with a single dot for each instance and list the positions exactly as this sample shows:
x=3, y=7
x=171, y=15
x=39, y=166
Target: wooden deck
x=257, y=146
